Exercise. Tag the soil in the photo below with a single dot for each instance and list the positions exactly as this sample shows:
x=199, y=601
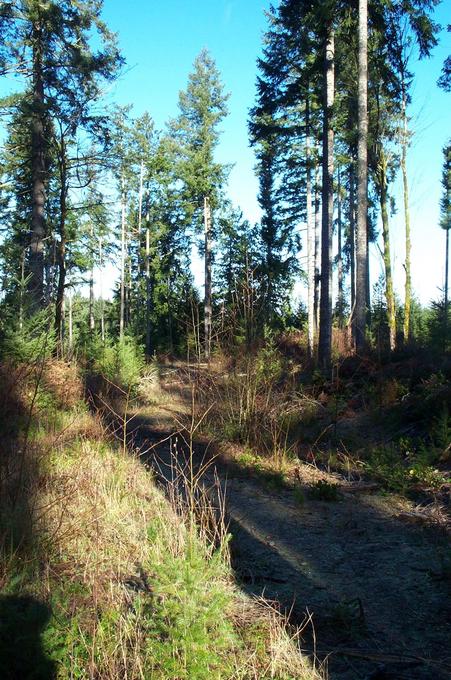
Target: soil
x=372, y=586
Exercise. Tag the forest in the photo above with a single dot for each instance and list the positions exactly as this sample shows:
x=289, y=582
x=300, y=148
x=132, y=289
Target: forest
x=225, y=442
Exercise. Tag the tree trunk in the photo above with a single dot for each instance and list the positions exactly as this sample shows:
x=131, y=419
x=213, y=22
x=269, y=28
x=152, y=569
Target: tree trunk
x=122, y=302
x=38, y=172
x=325, y=330
x=340, y=292
x=445, y=333
x=140, y=209
x=71, y=331
x=310, y=236
x=170, y=320
x=128, y=297
x=389, y=293
x=102, y=303
x=149, y=348
x=361, y=293
x=207, y=300
x=22, y=291
x=61, y=247
x=91, y=285
x=61, y=287
x=63, y=327
x=317, y=249
x=352, y=237
x=408, y=289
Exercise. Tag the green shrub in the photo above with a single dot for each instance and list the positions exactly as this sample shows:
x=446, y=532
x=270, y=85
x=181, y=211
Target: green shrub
x=324, y=491
x=36, y=339
x=188, y=634
x=401, y=468
x=122, y=363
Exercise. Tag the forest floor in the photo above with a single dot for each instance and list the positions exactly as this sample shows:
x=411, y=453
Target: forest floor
x=368, y=577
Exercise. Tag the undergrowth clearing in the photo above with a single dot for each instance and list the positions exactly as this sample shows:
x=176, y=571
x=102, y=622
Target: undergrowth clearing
x=100, y=576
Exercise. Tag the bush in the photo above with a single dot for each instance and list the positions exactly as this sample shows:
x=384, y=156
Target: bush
x=122, y=363
x=34, y=341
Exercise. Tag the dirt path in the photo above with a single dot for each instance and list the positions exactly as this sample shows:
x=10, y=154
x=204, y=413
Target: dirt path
x=376, y=586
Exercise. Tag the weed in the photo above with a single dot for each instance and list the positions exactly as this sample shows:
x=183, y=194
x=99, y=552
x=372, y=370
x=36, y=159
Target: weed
x=349, y=617
x=299, y=496
x=95, y=525
x=324, y=491
x=403, y=468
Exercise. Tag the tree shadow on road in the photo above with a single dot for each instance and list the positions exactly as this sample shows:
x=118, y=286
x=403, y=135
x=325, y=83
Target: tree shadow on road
x=329, y=559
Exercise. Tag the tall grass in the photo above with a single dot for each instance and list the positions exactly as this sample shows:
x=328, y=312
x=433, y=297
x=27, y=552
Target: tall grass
x=115, y=581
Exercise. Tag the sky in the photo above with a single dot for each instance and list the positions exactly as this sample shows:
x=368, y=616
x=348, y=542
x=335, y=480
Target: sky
x=160, y=41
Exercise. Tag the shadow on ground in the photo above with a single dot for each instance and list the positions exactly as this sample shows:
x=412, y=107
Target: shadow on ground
x=377, y=589
x=23, y=620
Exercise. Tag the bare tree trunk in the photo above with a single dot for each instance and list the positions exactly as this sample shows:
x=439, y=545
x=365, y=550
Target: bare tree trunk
x=325, y=330
x=317, y=249
x=389, y=293
x=148, y=292
x=22, y=291
x=102, y=302
x=71, y=331
x=352, y=236
x=362, y=183
x=91, y=284
x=310, y=236
x=170, y=320
x=207, y=300
x=61, y=247
x=122, y=302
x=408, y=289
x=446, y=289
x=62, y=338
x=340, y=295
x=38, y=172
x=140, y=209
x=128, y=307
x=61, y=285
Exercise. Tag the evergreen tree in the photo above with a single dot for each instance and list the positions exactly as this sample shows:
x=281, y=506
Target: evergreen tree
x=202, y=108
x=445, y=78
x=240, y=280
x=50, y=44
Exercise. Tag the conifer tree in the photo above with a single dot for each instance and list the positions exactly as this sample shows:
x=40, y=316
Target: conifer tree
x=202, y=106
x=50, y=44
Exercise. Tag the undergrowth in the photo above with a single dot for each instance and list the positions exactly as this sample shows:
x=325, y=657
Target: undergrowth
x=352, y=423
x=100, y=576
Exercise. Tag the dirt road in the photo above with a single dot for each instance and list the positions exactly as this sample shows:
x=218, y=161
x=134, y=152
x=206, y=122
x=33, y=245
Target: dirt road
x=377, y=587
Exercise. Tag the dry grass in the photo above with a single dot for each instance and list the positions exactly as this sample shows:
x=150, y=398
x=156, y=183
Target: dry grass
x=134, y=587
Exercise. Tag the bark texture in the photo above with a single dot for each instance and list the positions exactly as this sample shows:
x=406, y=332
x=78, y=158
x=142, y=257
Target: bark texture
x=207, y=299
x=361, y=292
x=389, y=292
x=310, y=237
x=408, y=289
x=325, y=330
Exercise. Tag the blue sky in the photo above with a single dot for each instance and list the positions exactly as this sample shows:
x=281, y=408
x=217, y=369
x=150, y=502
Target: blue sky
x=160, y=41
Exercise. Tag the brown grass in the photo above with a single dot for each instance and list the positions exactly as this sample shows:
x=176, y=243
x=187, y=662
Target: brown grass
x=83, y=506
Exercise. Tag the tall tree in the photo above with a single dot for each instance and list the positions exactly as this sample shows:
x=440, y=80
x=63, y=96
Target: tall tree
x=362, y=182
x=203, y=105
x=51, y=45
x=325, y=329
